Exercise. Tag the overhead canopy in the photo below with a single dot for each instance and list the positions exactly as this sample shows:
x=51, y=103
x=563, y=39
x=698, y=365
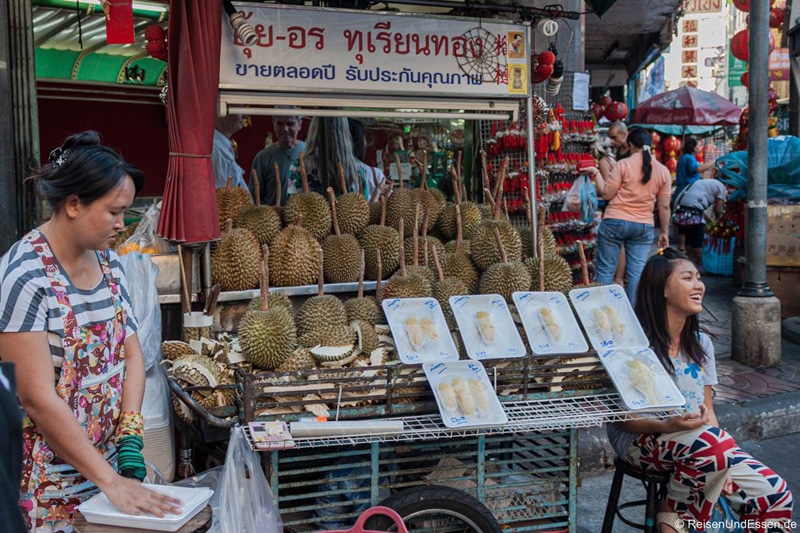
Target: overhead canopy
x=599, y=7
x=687, y=106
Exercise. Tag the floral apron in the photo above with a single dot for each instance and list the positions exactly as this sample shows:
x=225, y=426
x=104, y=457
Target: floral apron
x=90, y=382
x=700, y=461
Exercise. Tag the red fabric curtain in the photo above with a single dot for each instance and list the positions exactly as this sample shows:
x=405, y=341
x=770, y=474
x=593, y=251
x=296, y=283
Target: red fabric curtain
x=189, y=209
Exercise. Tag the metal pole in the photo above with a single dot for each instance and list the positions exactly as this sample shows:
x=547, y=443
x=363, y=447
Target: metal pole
x=756, y=236
x=532, y=181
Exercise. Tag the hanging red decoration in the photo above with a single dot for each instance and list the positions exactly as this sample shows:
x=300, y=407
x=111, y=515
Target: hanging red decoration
x=776, y=15
x=740, y=45
x=746, y=79
x=672, y=164
x=656, y=138
x=598, y=110
x=547, y=58
x=742, y=5
x=606, y=101
x=672, y=144
x=616, y=111
x=156, y=42
x=119, y=21
x=541, y=72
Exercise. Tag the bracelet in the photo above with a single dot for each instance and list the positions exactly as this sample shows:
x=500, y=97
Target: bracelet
x=130, y=423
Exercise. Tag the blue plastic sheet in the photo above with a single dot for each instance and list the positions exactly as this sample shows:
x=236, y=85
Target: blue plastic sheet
x=783, y=170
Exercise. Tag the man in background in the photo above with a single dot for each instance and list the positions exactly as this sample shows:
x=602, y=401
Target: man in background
x=223, y=157
x=618, y=135
x=285, y=151
x=10, y=452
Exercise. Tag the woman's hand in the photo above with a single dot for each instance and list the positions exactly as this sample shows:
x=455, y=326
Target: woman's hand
x=727, y=487
x=663, y=240
x=687, y=421
x=131, y=497
x=590, y=171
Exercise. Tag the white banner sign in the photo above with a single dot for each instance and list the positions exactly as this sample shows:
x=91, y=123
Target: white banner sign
x=323, y=50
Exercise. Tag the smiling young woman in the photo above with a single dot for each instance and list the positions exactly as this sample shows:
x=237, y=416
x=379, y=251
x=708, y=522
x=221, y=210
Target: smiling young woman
x=706, y=462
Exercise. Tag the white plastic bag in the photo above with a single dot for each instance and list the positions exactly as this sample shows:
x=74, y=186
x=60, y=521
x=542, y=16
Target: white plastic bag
x=141, y=274
x=243, y=502
x=581, y=199
x=144, y=238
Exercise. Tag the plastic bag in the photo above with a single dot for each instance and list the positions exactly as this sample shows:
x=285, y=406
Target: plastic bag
x=141, y=274
x=144, y=238
x=243, y=502
x=783, y=172
x=582, y=199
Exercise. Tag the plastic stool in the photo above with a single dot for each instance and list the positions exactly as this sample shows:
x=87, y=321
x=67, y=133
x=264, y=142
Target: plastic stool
x=654, y=483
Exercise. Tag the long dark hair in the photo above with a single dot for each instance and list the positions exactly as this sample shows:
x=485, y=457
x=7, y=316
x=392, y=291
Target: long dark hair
x=84, y=168
x=641, y=139
x=689, y=145
x=651, y=309
x=357, y=135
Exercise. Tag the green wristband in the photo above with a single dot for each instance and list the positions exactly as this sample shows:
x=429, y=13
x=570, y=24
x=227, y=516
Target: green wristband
x=130, y=461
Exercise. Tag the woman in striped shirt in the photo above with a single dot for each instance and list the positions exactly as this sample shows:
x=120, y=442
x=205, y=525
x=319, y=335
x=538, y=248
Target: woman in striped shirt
x=65, y=307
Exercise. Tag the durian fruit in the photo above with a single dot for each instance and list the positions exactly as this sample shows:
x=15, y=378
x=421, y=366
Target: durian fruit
x=439, y=198
x=450, y=247
x=329, y=335
x=458, y=264
x=354, y=210
x=505, y=277
x=471, y=215
x=262, y=220
x=553, y=274
x=363, y=307
x=321, y=311
x=546, y=237
x=401, y=204
x=367, y=336
x=483, y=245
x=274, y=299
x=430, y=207
x=236, y=260
x=330, y=354
x=301, y=359
x=342, y=250
x=402, y=285
x=172, y=350
x=196, y=370
x=231, y=201
x=420, y=253
x=293, y=258
x=267, y=336
x=375, y=212
x=311, y=206
x=444, y=288
x=380, y=237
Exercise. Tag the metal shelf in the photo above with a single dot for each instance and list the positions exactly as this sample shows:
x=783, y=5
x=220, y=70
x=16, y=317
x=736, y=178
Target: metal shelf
x=301, y=290
x=523, y=417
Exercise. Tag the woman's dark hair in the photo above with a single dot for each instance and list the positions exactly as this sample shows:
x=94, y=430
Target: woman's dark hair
x=84, y=168
x=357, y=134
x=651, y=310
x=689, y=145
x=641, y=139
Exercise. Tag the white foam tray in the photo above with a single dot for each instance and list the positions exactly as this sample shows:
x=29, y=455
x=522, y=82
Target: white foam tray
x=493, y=415
x=440, y=348
x=540, y=338
x=507, y=342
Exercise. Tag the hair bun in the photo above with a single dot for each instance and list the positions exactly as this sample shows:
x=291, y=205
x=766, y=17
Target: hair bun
x=86, y=138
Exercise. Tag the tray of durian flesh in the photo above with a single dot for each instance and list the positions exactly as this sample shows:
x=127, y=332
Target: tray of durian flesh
x=549, y=323
x=419, y=330
x=608, y=318
x=641, y=380
x=487, y=327
x=464, y=394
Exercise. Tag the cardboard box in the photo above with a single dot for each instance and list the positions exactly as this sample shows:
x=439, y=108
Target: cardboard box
x=785, y=283
x=783, y=235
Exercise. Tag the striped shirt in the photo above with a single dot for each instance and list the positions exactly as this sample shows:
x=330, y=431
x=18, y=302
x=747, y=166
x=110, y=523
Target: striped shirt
x=28, y=301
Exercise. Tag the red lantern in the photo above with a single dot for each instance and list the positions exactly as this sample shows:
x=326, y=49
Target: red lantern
x=740, y=45
x=672, y=144
x=154, y=32
x=776, y=17
x=742, y=5
x=547, y=58
x=746, y=79
x=598, y=110
x=656, y=138
x=606, y=101
x=616, y=111
x=672, y=164
x=542, y=72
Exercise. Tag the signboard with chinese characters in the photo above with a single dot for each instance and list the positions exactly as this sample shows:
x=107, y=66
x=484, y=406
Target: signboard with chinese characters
x=692, y=7
x=736, y=67
x=689, y=72
x=321, y=50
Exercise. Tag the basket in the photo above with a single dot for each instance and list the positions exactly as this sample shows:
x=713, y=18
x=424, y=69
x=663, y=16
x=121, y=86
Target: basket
x=718, y=255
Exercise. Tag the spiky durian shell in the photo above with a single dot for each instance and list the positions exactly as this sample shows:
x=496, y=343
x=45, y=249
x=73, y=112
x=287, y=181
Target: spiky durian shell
x=262, y=220
x=365, y=309
x=236, y=260
x=274, y=299
x=429, y=206
x=197, y=370
x=267, y=338
x=342, y=258
x=329, y=335
x=316, y=212
x=367, y=336
x=410, y=286
x=171, y=350
x=300, y=359
x=385, y=239
x=557, y=274
x=486, y=211
x=505, y=279
x=470, y=218
x=320, y=311
x=443, y=290
x=424, y=271
x=353, y=212
x=483, y=246
x=460, y=266
x=549, y=248
x=422, y=243
x=438, y=197
x=450, y=247
x=293, y=258
x=402, y=203
x=231, y=202
x=374, y=212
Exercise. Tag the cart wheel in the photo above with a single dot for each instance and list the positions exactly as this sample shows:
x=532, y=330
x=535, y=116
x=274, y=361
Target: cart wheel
x=437, y=509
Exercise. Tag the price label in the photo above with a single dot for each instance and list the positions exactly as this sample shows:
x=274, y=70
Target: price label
x=607, y=344
x=616, y=293
x=431, y=304
x=481, y=354
x=544, y=346
x=457, y=420
x=413, y=357
x=475, y=368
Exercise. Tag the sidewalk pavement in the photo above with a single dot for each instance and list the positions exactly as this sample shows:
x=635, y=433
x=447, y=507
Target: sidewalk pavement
x=760, y=407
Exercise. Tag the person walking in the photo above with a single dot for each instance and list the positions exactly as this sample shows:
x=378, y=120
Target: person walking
x=637, y=184
x=68, y=327
x=285, y=151
x=690, y=214
x=689, y=168
x=223, y=158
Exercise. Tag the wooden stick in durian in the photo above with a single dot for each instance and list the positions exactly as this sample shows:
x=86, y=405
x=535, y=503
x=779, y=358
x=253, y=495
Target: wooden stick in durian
x=399, y=169
x=278, y=186
x=437, y=263
x=458, y=164
x=459, y=229
x=184, y=281
x=342, y=180
x=264, y=286
x=490, y=200
x=415, y=238
x=378, y=283
x=425, y=221
x=500, y=247
x=320, y=273
x=484, y=169
x=498, y=189
x=229, y=183
x=540, y=251
x=383, y=210
x=332, y=197
x=362, y=270
x=256, y=187
x=423, y=170
x=402, y=249
x=303, y=174
x=584, y=265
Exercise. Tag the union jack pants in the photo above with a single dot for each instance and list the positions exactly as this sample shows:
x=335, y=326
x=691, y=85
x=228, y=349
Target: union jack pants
x=700, y=461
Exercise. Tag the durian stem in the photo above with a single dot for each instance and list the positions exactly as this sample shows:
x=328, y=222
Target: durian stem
x=265, y=260
x=584, y=264
x=303, y=174
x=459, y=229
x=342, y=181
x=425, y=221
x=264, y=285
x=458, y=164
x=229, y=183
x=456, y=186
x=500, y=248
x=402, y=249
x=485, y=170
x=229, y=225
x=528, y=210
x=540, y=251
x=378, y=285
x=415, y=238
x=278, y=187
x=498, y=189
x=539, y=229
x=332, y=197
x=256, y=187
x=383, y=211
x=423, y=170
x=184, y=280
x=399, y=169
x=299, y=221
x=320, y=273
x=490, y=200
x=362, y=269
x=438, y=263
x=425, y=246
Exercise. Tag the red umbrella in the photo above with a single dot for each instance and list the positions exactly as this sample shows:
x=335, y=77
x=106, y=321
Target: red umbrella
x=189, y=209
x=687, y=106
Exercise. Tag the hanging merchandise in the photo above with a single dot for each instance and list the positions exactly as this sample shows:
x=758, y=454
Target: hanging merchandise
x=616, y=111
x=156, y=39
x=119, y=21
x=582, y=199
